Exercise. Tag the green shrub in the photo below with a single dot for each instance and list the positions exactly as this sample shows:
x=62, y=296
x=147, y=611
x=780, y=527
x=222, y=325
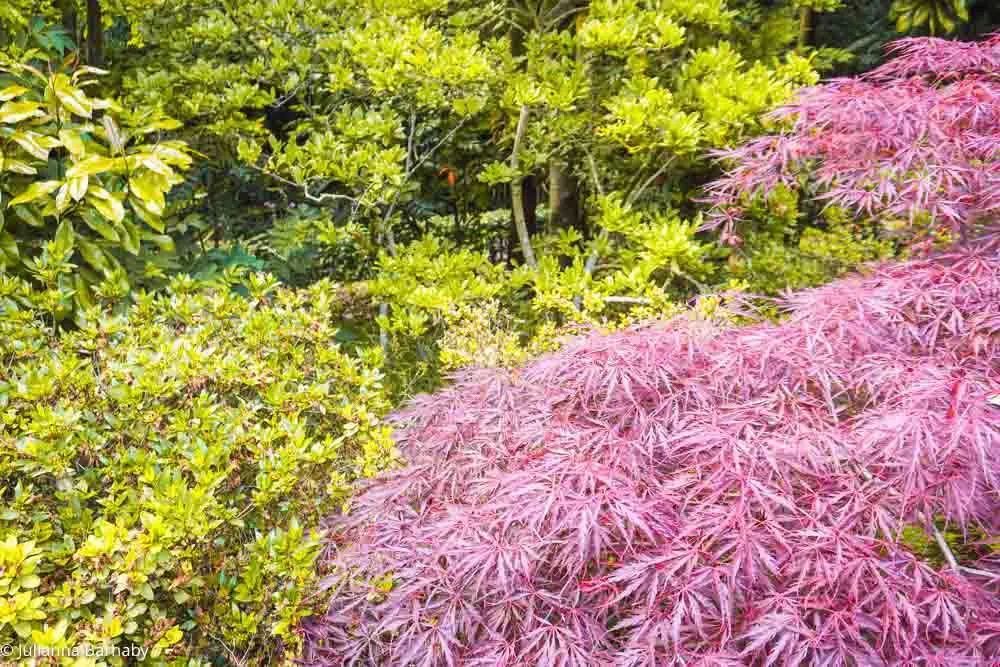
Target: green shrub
x=70, y=173
x=158, y=465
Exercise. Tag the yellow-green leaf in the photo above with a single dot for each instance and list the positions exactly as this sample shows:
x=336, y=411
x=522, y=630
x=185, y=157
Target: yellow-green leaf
x=65, y=237
x=34, y=191
x=149, y=187
x=155, y=164
x=94, y=164
x=10, y=92
x=171, y=153
x=78, y=187
x=19, y=167
x=72, y=141
x=106, y=205
x=146, y=215
x=15, y=112
x=71, y=97
x=35, y=144
x=63, y=199
x=162, y=241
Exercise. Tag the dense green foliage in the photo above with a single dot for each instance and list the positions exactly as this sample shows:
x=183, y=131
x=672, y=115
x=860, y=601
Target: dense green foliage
x=98, y=189
x=165, y=464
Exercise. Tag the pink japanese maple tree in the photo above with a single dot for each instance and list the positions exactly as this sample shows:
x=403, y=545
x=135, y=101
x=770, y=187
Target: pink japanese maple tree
x=916, y=140
x=698, y=493
x=690, y=493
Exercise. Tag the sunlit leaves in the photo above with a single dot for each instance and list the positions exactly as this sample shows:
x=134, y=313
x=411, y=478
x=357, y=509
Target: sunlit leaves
x=34, y=191
x=12, y=113
x=225, y=426
x=104, y=182
x=939, y=16
x=71, y=97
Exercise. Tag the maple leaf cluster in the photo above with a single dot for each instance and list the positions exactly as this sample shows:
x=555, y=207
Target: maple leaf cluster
x=700, y=494
x=914, y=143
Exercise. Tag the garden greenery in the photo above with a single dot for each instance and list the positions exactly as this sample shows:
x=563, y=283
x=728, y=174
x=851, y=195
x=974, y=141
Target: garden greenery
x=165, y=465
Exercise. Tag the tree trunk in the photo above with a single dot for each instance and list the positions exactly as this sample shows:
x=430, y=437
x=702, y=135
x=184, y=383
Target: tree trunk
x=564, y=197
x=95, y=34
x=805, y=27
x=67, y=8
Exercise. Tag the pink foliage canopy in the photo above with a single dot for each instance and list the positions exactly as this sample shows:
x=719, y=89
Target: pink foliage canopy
x=917, y=136
x=696, y=493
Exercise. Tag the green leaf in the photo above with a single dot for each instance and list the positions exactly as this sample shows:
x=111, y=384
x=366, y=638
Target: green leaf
x=93, y=255
x=15, y=112
x=65, y=237
x=8, y=246
x=29, y=215
x=100, y=225
x=130, y=239
x=34, y=191
x=95, y=164
x=82, y=292
x=71, y=97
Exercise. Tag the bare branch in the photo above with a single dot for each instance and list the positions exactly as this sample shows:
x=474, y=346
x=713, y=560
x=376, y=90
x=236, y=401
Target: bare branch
x=636, y=194
x=517, y=191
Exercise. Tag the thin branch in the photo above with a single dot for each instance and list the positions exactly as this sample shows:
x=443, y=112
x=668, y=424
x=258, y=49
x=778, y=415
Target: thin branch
x=517, y=191
x=426, y=156
x=594, y=176
x=591, y=264
x=390, y=237
x=636, y=194
x=595, y=254
x=316, y=199
x=945, y=549
x=942, y=543
x=637, y=300
x=554, y=21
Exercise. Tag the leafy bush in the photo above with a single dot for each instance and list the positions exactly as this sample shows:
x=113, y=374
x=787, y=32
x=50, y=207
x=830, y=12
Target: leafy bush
x=160, y=465
x=689, y=493
x=96, y=188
